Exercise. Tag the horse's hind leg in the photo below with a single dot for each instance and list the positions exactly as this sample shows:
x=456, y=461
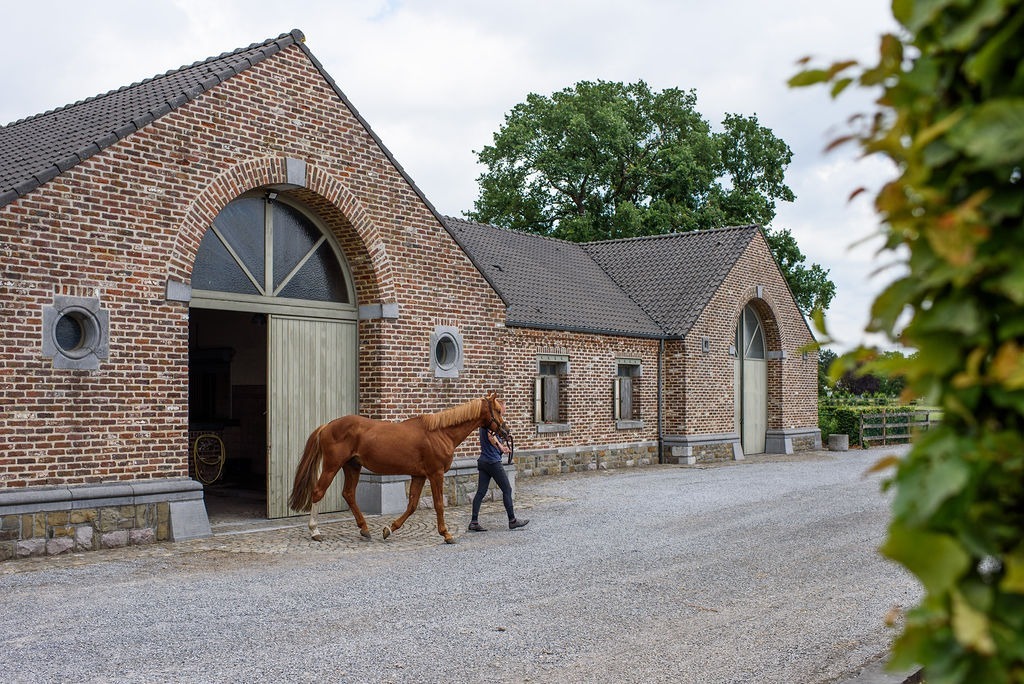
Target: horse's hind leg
x=322, y=483
x=351, y=470
x=415, y=489
x=314, y=523
x=437, y=492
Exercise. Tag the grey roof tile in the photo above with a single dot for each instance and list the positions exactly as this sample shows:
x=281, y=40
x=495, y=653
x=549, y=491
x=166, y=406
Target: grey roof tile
x=550, y=283
x=673, y=277
x=39, y=148
x=641, y=287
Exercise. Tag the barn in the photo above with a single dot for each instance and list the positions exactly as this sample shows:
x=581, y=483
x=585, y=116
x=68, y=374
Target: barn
x=226, y=255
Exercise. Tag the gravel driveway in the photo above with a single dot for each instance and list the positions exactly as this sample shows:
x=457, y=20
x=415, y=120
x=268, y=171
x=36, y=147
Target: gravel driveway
x=760, y=571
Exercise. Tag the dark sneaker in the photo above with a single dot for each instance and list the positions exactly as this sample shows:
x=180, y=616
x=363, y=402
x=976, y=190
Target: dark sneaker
x=476, y=527
x=518, y=522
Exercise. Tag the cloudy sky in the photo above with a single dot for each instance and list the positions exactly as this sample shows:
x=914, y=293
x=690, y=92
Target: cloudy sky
x=434, y=79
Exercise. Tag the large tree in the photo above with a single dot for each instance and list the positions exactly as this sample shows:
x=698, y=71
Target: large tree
x=604, y=160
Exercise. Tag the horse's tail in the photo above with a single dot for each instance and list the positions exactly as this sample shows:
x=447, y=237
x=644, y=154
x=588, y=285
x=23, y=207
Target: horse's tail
x=307, y=473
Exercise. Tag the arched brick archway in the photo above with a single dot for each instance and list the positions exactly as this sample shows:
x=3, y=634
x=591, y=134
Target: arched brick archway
x=757, y=372
x=308, y=352
x=334, y=205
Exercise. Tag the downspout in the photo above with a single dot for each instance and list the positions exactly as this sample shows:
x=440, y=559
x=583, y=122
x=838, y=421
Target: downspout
x=661, y=399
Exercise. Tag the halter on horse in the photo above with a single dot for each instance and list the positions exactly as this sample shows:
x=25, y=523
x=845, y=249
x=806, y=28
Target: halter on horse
x=422, y=447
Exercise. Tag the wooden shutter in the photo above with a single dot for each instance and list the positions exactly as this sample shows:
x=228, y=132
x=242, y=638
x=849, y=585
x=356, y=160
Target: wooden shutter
x=549, y=397
x=616, y=398
x=538, y=404
x=626, y=398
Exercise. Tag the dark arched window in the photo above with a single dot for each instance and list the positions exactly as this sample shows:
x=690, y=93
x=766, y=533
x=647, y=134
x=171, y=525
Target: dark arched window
x=750, y=335
x=258, y=246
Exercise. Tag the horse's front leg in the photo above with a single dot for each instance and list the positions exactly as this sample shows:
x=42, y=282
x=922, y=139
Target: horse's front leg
x=415, y=488
x=351, y=470
x=437, y=492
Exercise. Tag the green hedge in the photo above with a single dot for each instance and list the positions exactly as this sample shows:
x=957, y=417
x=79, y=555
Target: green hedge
x=846, y=419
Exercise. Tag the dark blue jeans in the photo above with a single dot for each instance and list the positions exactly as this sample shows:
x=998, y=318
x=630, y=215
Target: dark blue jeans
x=490, y=470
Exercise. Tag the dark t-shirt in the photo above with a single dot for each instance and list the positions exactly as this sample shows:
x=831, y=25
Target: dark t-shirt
x=488, y=452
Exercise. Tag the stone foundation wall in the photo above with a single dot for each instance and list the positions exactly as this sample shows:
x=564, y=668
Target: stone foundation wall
x=461, y=480
x=54, y=520
x=576, y=459
x=87, y=529
x=806, y=443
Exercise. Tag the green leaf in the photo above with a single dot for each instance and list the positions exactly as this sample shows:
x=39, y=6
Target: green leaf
x=888, y=306
x=993, y=133
x=937, y=560
x=971, y=626
x=942, y=480
x=1013, y=580
x=841, y=85
x=809, y=77
x=950, y=315
x=983, y=15
x=915, y=14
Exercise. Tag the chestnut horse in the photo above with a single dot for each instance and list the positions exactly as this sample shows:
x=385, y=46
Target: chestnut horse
x=422, y=447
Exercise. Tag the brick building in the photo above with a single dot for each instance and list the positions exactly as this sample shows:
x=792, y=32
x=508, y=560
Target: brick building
x=229, y=249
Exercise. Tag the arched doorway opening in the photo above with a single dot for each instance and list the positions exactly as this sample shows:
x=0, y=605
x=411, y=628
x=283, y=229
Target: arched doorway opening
x=272, y=345
x=751, y=381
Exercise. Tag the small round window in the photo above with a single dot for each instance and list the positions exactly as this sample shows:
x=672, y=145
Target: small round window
x=75, y=333
x=446, y=356
x=446, y=352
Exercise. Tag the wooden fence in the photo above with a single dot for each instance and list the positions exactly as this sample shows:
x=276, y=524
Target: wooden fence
x=894, y=427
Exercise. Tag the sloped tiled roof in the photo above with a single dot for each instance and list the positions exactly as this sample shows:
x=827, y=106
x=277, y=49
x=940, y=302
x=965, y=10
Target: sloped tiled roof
x=673, y=277
x=41, y=147
x=640, y=287
x=551, y=284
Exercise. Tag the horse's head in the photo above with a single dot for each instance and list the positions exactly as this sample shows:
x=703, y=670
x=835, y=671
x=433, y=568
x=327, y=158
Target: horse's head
x=495, y=415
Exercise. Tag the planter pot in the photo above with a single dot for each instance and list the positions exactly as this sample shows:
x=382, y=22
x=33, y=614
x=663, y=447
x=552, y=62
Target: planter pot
x=839, y=442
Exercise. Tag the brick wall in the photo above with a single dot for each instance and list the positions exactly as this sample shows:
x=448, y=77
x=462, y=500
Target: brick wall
x=120, y=224
x=592, y=368
x=701, y=385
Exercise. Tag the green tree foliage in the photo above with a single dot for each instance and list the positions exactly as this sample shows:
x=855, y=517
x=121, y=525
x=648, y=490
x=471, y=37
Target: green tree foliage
x=826, y=357
x=872, y=374
x=951, y=116
x=810, y=285
x=603, y=160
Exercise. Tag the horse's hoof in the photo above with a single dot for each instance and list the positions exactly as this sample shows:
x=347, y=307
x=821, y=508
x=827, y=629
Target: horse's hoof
x=449, y=540
x=365, y=534
x=317, y=537
x=386, y=531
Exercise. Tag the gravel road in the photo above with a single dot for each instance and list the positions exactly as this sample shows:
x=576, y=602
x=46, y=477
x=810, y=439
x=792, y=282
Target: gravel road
x=761, y=571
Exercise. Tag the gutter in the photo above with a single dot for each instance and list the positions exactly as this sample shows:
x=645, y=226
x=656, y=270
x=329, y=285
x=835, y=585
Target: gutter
x=661, y=400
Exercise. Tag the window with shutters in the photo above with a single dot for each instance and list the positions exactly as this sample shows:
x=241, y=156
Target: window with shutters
x=626, y=396
x=550, y=393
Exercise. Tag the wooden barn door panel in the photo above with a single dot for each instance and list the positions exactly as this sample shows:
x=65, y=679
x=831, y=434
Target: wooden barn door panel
x=755, y=405
x=312, y=380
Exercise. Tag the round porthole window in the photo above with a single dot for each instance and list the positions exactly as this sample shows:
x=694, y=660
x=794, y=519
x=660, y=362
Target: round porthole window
x=75, y=332
x=446, y=356
x=446, y=352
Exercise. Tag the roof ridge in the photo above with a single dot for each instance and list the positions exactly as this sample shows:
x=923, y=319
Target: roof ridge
x=515, y=232
x=664, y=236
x=282, y=41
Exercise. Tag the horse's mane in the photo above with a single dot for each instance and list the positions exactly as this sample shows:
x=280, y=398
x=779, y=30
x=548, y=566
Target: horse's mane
x=452, y=416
